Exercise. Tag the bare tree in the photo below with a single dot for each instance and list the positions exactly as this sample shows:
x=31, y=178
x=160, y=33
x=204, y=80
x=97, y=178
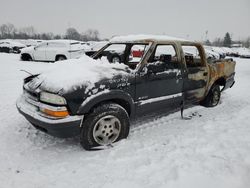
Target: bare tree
x=72, y=33
x=91, y=34
x=7, y=30
x=30, y=30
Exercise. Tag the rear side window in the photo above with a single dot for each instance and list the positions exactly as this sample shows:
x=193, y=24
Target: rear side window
x=56, y=45
x=192, y=56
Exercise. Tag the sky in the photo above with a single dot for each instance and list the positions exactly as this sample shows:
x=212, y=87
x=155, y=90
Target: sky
x=190, y=19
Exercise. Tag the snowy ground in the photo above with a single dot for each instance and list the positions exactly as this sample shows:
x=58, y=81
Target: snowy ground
x=212, y=150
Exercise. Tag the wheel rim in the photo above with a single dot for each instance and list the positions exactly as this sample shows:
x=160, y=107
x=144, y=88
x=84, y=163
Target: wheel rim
x=107, y=130
x=115, y=60
x=216, y=98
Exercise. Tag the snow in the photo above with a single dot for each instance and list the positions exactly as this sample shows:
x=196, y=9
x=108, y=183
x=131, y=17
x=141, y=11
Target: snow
x=210, y=150
x=130, y=38
x=77, y=72
x=244, y=52
x=11, y=43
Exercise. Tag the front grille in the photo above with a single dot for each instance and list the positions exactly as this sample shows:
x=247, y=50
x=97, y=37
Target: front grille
x=30, y=95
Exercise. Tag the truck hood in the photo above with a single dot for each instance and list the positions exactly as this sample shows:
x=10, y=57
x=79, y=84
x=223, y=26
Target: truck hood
x=68, y=75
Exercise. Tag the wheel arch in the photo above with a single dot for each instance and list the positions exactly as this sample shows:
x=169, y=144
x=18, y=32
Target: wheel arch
x=25, y=56
x=220, y=81
x=118, y=97
x=58, y=55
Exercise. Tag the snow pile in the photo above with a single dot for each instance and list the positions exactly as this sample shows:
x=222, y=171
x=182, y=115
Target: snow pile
x=212, y=150
x=64, y=75
x=11, y=43
x=130, y=38
x=243, y=52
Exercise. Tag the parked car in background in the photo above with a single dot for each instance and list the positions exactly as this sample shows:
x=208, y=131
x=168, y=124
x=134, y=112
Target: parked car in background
x=94, y=47
x=242, y=52
x=10, y=46
x=53, y=50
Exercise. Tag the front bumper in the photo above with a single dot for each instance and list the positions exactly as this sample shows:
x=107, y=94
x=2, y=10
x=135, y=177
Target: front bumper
x=63, y=127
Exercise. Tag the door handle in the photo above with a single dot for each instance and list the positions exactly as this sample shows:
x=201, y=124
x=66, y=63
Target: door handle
x=205, y=74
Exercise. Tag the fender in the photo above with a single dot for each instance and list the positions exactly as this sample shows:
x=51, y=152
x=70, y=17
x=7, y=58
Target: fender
x=107, y=95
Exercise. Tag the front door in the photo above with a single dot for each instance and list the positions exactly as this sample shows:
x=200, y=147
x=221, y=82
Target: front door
x=159, y=85
x=40, y=52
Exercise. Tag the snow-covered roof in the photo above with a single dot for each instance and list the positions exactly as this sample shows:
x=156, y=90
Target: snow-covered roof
x=131, y=38
x=64, y=41
x=11, y=43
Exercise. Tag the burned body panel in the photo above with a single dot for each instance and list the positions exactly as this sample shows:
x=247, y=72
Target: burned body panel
x=224, y=71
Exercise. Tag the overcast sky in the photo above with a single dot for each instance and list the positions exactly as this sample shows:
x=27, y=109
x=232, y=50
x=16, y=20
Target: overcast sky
x=181, y=18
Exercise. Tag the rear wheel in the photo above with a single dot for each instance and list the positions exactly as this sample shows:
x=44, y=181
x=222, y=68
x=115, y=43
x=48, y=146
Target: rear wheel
x=60, y=58
x=213, y=97
x=116, y=59
x=105, y=125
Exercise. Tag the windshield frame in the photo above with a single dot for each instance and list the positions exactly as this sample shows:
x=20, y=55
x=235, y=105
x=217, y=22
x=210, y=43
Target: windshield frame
x=149, y=44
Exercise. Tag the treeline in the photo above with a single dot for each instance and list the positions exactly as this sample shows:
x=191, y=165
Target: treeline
x=9, y=31
x=228, y=42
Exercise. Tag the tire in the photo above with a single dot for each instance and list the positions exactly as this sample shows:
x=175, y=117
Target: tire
x=26, y=57
x=106, y=124
x=213, y=97
x=115, y=59
x=60, y=58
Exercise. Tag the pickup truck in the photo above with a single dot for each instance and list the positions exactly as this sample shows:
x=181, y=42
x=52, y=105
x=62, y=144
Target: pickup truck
x=97, y=99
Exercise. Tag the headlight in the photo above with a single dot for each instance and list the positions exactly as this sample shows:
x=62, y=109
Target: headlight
x=52, y=98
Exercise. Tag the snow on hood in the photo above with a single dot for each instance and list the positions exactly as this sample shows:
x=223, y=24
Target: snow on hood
x=65, y=75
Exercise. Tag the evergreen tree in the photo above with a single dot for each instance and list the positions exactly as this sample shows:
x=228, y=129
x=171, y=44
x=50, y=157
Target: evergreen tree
x=227, y=40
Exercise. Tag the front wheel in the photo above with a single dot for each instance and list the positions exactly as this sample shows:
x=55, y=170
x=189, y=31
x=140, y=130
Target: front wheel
x=106, y=124
x=213, y=97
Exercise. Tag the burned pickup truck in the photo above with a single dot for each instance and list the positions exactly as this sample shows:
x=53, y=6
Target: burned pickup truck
x=97, y=99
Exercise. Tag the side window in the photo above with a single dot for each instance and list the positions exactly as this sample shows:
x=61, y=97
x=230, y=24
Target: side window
x=56, y=45
x=166, y=55
x=115, y=53
x=137, y=52
x=42, y=45
x=192, y=56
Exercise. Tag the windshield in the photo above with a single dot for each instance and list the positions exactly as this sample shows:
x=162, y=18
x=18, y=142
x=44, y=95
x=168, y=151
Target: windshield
x=129, y=54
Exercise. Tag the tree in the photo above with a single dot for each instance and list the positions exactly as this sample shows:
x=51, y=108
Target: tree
x=7, y=30
x=207, y=42
x=91, y=34
x=217, y=42
x=227, y=40
x=30, y=31
x=72, y=33
x=246, y=43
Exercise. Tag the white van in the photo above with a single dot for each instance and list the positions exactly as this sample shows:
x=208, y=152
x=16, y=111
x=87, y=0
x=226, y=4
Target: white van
x=53, y=50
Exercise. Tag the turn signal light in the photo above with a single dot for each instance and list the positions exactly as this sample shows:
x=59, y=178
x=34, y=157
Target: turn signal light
x=55, y=113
